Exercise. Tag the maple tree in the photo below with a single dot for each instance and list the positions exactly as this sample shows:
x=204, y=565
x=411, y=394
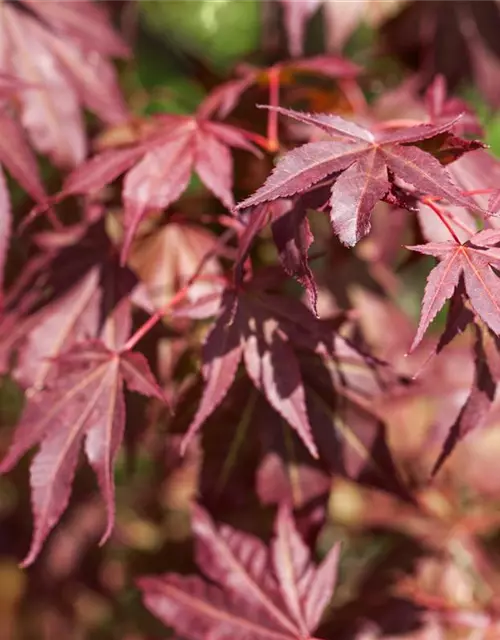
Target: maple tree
x=250, y=324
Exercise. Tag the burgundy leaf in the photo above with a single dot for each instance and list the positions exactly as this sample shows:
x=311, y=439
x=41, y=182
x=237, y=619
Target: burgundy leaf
x=245, y=602
x=471, y=261
x=87, y=297
x=55, y=48
x=252, y=327
x=306, y=589
x=146, y=185
x=169, y=148
x=424, y=34
x=18, y=159
x=165, y=260
x=475, y=411
x=354, y=195
x=197, y=610
x=256, y=221
x=221, y=355
x=302, y=168
x=363, y=160
x=239, y=562
x=293, y=238
x=5, y=227
x=83, y=400
x=296, y=17
x=102, y=169
x=214, y=166
x=273, y=368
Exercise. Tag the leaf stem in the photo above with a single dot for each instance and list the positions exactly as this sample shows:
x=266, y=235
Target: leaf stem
x=478, y=192
x=182, y=293
x=442, y=217
x=152, y=320
x=274, y=99
x=258, y=139
x=398, y=123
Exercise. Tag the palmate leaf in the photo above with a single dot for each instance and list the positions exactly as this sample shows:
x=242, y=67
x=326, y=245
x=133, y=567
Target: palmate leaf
x=17, y=158
x=63, y=50
x=82, y=401
x=254, y=327
x=359, y=164
x=165, y=151
x=330, y=392
x=470, y=262
x=85, y=295
x=166, y=258
x=291, y=233
x=259, y=593
x=476, y=409
x=5, y=226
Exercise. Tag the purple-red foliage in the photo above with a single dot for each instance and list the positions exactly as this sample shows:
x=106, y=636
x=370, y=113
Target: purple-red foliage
x=247, y=350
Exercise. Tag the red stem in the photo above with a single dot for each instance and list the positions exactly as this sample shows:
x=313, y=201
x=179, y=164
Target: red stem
x=442, y=217
x=398, y=123
x=274, y=100
x=459, y=223
x=157, y=315
x=258, y=139
x=181, y=294
x=478, y=192
x=226, y=221
x=152, y=320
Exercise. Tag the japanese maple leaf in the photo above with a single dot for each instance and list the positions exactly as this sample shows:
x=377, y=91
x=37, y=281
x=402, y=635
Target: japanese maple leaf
x=255, y=328
x=84, y=294
x=165, y=151
x=62, y=48
x=455, y=39
x=17, y=158
x=82, y=401
x=166, y=258
x=359, y=163
x=310, y=377
x=292, y=236
x=341, y=19
x=475, y=411
x=254, y=593
x=472, y=263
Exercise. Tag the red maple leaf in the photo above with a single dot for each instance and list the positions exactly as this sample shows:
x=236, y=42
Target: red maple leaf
x=470, y=262
x=476, y=409
x=255, y=593
x=17, y=157
x=254, y=327
x=359, y=163
x=167, y=258
x=79, y=293
x=82, y=400
x=165, y=151
x=320, y=384
x=62, y=48
x=291, y=234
